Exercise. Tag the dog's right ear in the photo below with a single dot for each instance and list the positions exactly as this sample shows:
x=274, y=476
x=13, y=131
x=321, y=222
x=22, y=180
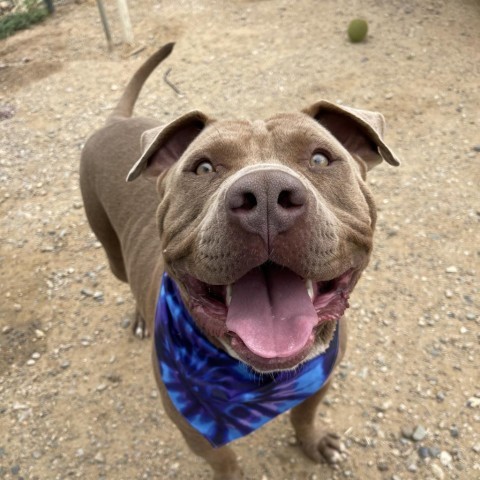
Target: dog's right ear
x=360, y=131
x=163, y=146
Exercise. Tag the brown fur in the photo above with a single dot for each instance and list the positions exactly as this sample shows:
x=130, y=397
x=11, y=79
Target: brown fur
x=183, y=226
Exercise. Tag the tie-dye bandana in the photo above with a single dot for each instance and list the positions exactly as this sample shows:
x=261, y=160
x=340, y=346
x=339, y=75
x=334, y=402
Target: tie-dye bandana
x=220, y=396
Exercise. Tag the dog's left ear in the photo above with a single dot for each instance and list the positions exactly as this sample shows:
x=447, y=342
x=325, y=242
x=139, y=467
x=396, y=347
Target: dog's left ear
x=359, y=131
x=163, y=146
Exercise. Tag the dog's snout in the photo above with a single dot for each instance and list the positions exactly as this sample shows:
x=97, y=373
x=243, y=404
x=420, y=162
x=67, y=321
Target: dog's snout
x=266, y=202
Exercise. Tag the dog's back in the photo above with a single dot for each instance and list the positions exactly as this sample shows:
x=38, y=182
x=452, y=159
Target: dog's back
x=121, y=225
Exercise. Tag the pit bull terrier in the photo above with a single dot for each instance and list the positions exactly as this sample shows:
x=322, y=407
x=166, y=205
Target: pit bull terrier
x=241, y=242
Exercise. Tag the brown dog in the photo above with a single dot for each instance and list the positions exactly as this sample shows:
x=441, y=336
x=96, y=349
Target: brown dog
x=264, y=226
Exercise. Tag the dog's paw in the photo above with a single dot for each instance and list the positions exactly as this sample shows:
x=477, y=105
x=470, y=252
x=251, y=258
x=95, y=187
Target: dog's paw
x=323, y=446
x=140, y=326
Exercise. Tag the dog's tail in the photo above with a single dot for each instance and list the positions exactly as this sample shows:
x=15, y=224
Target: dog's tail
x=125, y=105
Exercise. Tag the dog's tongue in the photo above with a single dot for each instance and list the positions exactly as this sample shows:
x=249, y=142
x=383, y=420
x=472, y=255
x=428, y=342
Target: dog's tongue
x=271, y=312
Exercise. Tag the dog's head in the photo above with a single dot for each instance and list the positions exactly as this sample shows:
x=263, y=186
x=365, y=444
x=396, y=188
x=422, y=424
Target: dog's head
x=266, y=226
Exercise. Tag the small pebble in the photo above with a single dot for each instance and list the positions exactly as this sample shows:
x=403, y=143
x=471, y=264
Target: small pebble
x=434, y=452
x=445, y=459
x=114, y=378
x=419, y=433
x=98, y=296
x=30, y=362
x=7, y=329
x=384, y=406
x=412, y=467
x=473, y=402
x=451, y=269
x=437, y=471
x=454, y=432
x=423, y=452
x=39, y=333
x=382, y=466
x=15, y=469
x=125, y=323
x=99, y=458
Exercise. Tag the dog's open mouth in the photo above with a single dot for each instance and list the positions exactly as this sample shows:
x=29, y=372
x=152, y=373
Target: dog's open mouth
x=270, y=316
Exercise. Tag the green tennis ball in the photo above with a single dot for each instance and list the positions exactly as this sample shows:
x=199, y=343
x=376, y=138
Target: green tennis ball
x=357, y=30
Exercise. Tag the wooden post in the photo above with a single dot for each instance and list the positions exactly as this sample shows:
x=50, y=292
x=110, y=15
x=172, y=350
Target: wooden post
x=125, y=21
x=50, y=6
x=103, y=17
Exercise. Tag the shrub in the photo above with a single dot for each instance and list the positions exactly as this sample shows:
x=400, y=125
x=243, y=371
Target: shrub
x=19, y=20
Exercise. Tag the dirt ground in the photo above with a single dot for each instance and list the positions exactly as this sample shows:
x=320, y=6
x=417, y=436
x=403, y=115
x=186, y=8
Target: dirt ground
x=77, y=395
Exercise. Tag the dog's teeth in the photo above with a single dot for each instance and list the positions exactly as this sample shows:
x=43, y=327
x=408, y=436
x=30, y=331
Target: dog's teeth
x=228, y=296
x=309, y=285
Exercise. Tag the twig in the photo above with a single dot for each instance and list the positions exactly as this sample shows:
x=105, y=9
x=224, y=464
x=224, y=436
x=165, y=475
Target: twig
x=137, y=51
x=106, y=28
x=170, y=84
x=127, y=31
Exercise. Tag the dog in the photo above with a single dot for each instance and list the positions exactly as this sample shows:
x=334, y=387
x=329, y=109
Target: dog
x=241, y=243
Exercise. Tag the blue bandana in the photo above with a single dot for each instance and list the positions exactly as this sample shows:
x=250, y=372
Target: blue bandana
x=220, y=396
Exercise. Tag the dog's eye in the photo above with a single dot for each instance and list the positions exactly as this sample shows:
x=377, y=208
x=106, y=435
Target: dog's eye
x=319, y=160
x=204, y=167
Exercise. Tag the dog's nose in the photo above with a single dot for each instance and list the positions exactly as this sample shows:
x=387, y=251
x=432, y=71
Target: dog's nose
x=266, y=202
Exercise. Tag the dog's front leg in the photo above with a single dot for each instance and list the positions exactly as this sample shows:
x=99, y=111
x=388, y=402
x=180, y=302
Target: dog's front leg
x=316, y=443
x=222, y=460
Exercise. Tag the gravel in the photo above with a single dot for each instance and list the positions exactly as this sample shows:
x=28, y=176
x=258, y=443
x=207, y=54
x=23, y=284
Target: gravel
x=419, y=433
